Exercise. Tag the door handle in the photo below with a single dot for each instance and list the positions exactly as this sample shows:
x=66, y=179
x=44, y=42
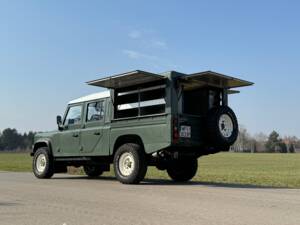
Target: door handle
x=97, y=133
x=75, y=135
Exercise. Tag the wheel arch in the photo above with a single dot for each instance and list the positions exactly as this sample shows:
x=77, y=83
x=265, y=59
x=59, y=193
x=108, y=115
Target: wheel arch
x=40, y=144
x=129, y=138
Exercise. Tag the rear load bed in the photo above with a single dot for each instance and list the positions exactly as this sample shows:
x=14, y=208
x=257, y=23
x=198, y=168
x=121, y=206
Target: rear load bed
x=168, y=109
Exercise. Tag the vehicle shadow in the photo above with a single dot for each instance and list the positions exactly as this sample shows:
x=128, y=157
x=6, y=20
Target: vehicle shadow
x=206, y=184
x=166, y=182
x=8, y=204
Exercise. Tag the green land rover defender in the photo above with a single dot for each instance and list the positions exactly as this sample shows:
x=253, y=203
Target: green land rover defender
x=165, y=120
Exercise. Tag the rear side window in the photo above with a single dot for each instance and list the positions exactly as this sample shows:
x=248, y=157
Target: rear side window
x=95, y=111
x=74, y=115
x=141, y=101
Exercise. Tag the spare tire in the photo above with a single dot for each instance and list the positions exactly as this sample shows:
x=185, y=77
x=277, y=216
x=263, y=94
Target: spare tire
x=222, y=126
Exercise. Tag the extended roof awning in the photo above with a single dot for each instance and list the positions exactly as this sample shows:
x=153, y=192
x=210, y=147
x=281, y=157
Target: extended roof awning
x=126, y=79
x=231, y=92
x=209, y=78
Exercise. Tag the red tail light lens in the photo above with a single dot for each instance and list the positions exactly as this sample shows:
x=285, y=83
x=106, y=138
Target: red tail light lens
x=175, y=130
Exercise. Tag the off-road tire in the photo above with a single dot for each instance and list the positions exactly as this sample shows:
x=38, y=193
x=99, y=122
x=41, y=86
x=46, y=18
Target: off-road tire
x=214, y=135
x=183, y=170
x=139, y=170
x=92, y=171
x=48, y=163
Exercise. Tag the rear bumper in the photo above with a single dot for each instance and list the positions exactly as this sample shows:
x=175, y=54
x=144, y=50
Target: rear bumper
x=191, y=151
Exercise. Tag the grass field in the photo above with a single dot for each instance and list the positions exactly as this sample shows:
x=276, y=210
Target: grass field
x=276, y=170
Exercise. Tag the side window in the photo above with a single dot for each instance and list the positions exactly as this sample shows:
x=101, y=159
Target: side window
x=73, y=116
x=143, y=101
x=95, y=111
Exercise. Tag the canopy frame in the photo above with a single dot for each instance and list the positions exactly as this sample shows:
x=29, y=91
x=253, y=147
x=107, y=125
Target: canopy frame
x=128, y=79
x=210, y=78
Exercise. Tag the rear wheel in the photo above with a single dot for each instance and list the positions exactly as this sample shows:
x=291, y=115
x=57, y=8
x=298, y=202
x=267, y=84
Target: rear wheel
x=130, y=164
x=183, y=170
x=43, y=165
x=92, y=170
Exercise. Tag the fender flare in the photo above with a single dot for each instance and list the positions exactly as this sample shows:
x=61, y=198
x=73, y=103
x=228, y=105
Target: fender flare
x=128, y=138
x=41, y=143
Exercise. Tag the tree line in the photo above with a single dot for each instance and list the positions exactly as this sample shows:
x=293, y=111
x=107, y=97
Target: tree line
x=11, y=140
x=272, y=143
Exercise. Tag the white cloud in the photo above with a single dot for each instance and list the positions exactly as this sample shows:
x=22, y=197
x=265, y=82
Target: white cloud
x=138, y=55
x=147, y=39
x=156, y=62
x=132, y=54
x=135, y=34
x=159, y=44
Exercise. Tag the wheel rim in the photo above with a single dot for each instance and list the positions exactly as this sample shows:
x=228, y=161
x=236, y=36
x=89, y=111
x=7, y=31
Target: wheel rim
x=226, y=125
x=126, y=164
x=41, y=163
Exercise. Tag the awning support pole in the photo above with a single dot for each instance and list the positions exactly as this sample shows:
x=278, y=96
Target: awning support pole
x=225, y=97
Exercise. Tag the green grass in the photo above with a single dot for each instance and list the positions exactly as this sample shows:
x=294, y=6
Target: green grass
x=16, y=162
x=276, y=170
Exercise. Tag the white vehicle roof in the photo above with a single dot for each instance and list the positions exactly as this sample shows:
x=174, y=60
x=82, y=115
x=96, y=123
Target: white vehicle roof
x=91, y=97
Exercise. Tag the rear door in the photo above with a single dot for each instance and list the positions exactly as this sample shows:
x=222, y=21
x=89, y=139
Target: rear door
x=93, y=133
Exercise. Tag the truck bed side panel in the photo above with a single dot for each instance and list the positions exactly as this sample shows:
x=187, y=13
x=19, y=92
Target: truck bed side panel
x=155, y=131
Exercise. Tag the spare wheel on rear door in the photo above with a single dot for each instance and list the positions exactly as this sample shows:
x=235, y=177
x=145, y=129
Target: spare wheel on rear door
x=222, y=127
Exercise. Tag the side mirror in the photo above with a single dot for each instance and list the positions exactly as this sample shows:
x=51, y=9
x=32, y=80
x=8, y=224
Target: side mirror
x=59, y=122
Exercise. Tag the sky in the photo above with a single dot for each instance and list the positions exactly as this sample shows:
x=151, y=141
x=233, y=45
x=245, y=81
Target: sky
x=49, y=49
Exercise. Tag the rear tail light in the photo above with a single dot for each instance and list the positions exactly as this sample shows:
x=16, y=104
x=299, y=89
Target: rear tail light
x=175, y=130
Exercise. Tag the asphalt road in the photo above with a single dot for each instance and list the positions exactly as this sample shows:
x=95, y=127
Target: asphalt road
x=72, y=200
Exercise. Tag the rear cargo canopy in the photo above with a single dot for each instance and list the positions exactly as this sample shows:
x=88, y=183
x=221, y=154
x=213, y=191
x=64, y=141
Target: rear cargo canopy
x=209, y=78
x=126, y=79
x=137, y=93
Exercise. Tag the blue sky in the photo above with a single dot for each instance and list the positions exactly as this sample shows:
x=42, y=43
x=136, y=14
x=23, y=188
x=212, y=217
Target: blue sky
x=48, y=49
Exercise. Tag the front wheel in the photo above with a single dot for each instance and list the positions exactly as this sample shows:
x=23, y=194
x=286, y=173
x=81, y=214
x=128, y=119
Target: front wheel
x=183, y=170
x=43, y=165
x=130, y=164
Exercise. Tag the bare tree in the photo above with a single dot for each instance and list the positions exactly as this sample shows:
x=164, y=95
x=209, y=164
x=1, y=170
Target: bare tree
x=244, y=143
x=291, y=142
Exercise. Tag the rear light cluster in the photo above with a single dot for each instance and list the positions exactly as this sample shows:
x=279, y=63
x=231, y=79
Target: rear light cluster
x=175, y=130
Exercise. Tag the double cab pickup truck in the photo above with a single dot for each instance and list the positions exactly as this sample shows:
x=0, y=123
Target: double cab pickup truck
x=143, y=119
